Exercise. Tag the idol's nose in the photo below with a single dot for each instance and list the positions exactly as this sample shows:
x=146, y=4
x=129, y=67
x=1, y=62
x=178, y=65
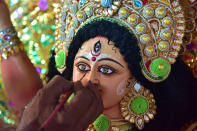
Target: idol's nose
x=93, y=77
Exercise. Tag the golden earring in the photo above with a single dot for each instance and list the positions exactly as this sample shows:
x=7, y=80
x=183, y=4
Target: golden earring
x=138, y=106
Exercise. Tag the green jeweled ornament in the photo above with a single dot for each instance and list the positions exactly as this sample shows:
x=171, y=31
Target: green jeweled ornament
x=102, y=123
x=60, y=59
x=139, y=105
x=160, y=67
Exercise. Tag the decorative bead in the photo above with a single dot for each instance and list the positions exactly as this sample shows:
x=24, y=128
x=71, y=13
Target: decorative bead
x=117, y=3
x=175, y=3
x=110, y=12
x=182, y=28
x=138, y=3
x=140, y=123
x=60, y=59
x=165, y=34
x=137, y=86
x=160, y=67
x=93, y=58
x=133, y=19
x=167, y=22
x=176, y=47
x=174, y=54
x=145, y=38
x=140, y=28
x=102, y=123
x=139, y=105
x=163, y=46
x=81, y=2
x=81, y=16
x=146, y=118
x=149, y=51
x=7, y=37
x=179, y=15
x=123, y=12
x=132, y=119
x=148, y=12
x=150, y=115
x=179, y=8
x=171, y=60
x=89, y=10
x=106, y=3
x=74, y=23
x=160, y=12
x=179, y=34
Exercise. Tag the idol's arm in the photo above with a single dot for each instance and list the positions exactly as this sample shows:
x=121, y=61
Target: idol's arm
x=20, y=79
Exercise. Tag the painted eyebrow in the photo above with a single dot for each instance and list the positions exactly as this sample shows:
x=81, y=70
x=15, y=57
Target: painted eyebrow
x=109, y=59
x=82, y=57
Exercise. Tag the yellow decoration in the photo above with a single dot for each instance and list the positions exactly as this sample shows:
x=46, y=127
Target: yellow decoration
x=167, y=21
x=140, y=28
x=165, y=34
x=160, y=12
x=80, y=15
x=161, y=66
x=165, y=1
x=145, y=38
x=149, y=50
x=132, y=19
x=123, y=11
x=163, y=45
x=148, y=12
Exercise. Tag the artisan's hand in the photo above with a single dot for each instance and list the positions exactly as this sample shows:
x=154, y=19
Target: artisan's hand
x=85, y=107
x=4, y=15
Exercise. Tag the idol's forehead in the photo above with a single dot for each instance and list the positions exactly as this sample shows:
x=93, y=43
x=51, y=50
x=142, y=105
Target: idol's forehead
x=106, y=47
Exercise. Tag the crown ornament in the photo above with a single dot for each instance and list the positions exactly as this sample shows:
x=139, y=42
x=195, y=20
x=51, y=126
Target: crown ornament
x=158, y=26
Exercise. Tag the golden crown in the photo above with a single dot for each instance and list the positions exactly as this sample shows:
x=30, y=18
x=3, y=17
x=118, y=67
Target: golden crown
x=157, y=24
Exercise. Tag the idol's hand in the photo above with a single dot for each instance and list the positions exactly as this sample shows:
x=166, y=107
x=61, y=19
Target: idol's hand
x=83, y=109
x=4, y=15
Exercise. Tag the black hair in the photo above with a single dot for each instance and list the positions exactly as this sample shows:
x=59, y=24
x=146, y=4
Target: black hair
x=175, y=97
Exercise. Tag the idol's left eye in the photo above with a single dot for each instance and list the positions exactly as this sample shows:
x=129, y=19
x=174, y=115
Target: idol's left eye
x=106, y=70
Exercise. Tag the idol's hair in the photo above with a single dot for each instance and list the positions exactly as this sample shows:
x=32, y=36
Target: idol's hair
x=175, y=97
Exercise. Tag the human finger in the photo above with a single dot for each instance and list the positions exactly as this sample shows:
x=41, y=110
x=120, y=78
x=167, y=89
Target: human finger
x=96, y=108
x=57, y=86
x=77, y=86
x=78, y=107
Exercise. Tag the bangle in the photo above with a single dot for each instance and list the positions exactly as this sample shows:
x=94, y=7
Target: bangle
x=9, y=43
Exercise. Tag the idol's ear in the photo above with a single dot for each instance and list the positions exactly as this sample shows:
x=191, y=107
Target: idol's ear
x=130, y=82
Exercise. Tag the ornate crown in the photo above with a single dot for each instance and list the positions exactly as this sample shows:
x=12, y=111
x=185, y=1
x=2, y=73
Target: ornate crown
x=157, y=24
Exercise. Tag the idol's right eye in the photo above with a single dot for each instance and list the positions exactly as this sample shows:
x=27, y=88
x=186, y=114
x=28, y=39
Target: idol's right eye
x=82, y=67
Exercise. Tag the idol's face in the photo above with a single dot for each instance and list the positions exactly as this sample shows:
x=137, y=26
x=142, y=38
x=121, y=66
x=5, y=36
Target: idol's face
x=99, y=61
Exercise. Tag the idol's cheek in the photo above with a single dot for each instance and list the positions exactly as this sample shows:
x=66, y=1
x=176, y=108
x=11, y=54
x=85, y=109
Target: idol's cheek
x=120, y=90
